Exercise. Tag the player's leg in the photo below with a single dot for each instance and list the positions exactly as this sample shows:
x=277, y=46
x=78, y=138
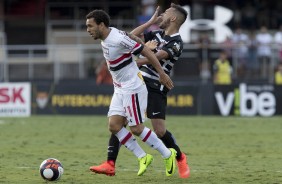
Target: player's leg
x=170, y=142
x=116, y=126
x=151, y=139
x=157, y=102
x=136, y=115
x=116, y=123
x=156, y=111
x=128, y=140
x=113, y=149
x=165, y=135
x=125, y=137
x=108, y=167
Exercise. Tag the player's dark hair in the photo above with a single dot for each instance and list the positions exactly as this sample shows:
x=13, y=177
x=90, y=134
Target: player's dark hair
x=99, y=16
x=180, y=10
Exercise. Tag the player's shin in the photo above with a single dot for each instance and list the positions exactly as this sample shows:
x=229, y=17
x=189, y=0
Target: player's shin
x=170, y=142
x=129, y=141
x=151, y=139
x=113, y=148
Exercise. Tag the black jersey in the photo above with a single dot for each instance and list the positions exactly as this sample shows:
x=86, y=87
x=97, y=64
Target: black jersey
x=172, y=44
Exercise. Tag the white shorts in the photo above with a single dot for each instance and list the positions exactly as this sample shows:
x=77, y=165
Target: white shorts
x=131, y=106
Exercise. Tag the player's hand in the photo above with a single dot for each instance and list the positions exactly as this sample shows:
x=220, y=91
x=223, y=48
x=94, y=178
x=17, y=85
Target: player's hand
x=166, y=80
x=155, y=18
x=152, y=44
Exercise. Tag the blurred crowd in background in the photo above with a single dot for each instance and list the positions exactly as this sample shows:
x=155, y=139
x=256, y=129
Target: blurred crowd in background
x=254, y=51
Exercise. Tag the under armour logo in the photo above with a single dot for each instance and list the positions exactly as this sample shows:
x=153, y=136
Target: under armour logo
x=222, y=15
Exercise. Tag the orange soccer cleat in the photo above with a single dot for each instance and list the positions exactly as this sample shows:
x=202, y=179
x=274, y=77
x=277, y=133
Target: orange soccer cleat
x=107, y=168
x=183, y=168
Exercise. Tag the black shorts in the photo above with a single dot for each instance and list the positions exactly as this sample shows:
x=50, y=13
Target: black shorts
x=157, y=99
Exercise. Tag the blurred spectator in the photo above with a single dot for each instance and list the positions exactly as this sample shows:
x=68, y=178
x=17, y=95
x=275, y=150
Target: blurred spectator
x=264, y=40
x=222, y=70
x=252, y=62
x=278, y=74
x=240, y=41
x=148, y=8
x=103, y=74
x=227, y=46
x=204, y=42
x=278, y=41
x=205, y=72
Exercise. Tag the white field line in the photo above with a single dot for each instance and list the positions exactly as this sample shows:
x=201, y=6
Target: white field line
x=2, y=122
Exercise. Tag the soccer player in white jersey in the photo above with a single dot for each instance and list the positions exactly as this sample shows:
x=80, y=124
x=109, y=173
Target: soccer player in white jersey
x=129, y=101
x=167, y=46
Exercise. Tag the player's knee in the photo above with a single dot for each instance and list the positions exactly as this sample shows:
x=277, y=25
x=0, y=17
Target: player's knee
x=114, y=128
x=159, y=127
x=137, y=130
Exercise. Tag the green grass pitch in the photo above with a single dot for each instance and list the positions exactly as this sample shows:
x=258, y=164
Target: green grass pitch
x=220, y=150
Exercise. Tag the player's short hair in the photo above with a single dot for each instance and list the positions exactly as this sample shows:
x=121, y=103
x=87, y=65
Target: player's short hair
x=182, y=12
x=99, y=16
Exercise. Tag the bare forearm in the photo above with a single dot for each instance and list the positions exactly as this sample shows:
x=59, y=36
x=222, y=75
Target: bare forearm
x=140, y=29
x=135, y=38
x=142, y=61
x=163, y=77
x=151, y=59
x=160, y=55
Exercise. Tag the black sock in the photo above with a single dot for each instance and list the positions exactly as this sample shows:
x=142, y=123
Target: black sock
x=113, y=148
x=170, y=142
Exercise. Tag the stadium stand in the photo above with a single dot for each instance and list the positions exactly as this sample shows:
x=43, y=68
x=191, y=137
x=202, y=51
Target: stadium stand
x=53, y=43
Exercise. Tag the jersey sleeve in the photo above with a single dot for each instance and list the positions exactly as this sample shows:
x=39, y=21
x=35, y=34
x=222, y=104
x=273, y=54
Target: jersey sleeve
x=173, y=48
x=131, y=45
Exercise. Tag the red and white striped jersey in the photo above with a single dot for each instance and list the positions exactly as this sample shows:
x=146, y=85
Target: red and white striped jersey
x=118, y=49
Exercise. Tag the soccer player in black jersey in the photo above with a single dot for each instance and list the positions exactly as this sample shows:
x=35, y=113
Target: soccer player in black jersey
x=167, y=46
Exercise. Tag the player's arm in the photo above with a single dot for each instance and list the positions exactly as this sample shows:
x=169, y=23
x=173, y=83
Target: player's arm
x=167, y=52
x=161, y=54
x=140, y=29
x=135, y=48
x=152, y=44
x=135, y=38
x=152, y=59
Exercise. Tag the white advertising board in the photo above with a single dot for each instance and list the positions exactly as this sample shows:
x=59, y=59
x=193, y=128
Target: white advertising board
x=15, y=99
